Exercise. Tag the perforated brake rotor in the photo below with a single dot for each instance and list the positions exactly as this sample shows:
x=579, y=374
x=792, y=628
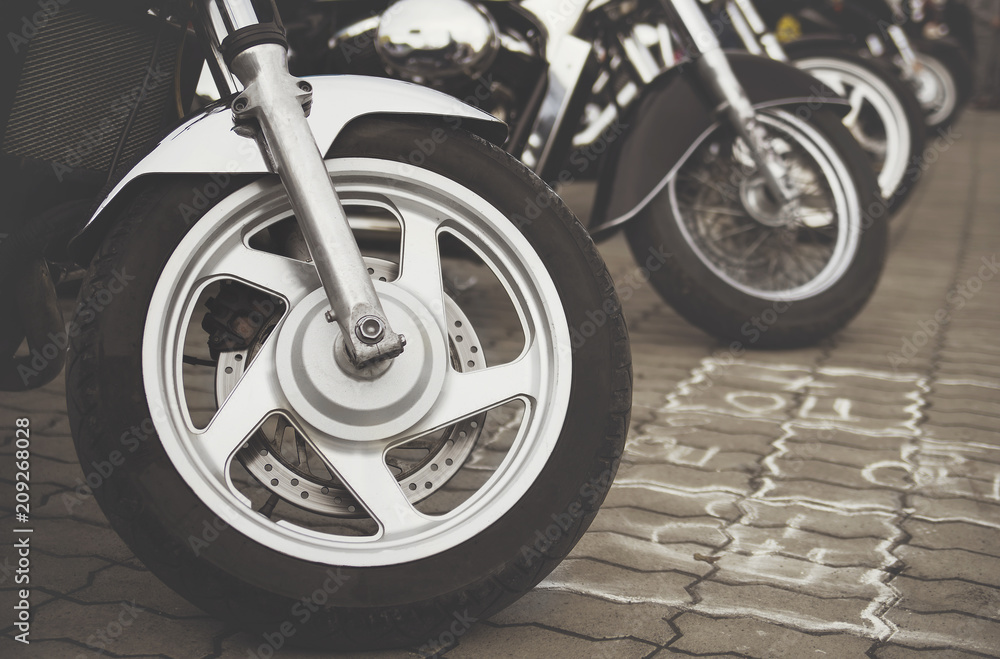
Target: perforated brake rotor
x=422, y=466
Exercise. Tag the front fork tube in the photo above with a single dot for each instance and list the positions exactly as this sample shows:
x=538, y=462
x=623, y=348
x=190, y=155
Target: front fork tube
x=714, y=69
x=911, y=65
x=279, y=103
x=751, y=27
x=277, y=100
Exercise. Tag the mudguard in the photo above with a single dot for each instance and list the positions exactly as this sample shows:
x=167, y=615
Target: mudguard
x=210, y=142
x=672, y=117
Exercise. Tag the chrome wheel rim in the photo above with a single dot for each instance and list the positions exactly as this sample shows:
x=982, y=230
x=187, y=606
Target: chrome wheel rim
x=802, y=258
x=877, y=118
x=935, y=89
x=426, y=205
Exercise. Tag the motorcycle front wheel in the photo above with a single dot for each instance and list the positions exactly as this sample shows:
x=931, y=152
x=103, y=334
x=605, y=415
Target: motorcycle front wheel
x=750, y=271
x=251, y=470
x=943, y=83
x=885, y=118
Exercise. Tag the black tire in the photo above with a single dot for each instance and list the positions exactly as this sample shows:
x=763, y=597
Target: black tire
x=404, y=605
x=905, y=109
x=723, y=310
x=948, y=61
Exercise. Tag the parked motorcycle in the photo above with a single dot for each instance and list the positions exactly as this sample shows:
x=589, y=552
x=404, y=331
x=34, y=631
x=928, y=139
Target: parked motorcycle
x=736, y=165
x=886, y=118
x=333, y=448
x=938, y=69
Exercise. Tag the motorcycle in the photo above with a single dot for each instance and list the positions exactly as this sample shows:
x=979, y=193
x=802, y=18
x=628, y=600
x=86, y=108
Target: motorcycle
x=938, y=69
x=886, y=118
x=336, y=448
x=736, y=165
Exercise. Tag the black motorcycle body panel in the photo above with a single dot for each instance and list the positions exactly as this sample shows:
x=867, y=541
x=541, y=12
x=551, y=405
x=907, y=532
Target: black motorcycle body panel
x=672, y=109
x=826, y=41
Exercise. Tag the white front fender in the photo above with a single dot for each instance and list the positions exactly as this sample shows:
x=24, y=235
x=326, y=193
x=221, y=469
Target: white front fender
x=208, y=142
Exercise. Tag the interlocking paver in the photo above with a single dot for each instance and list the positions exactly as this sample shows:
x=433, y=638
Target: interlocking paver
x=108, y=585
x=945, y=630
x=950, y=564
x=664, y=438
x=899, y=652
x=819, y=548
x=810, y=577
x=784, y=516
x=525, y=641
x=659, y=528
x=640, y=554
x=618, y=584
x=124, y=628
x=953, y=535
x=704, y=636
x=947, y=595
x=956, y=510
x=848, y=498
x=671, y=501
x=692, y=479
x=790, y=608
x=589, y=616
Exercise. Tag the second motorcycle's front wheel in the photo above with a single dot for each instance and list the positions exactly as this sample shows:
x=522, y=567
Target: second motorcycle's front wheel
x=748, y=270
x=253, y=470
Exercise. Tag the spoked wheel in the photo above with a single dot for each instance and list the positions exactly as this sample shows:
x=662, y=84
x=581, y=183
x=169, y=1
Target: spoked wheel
x=885, y=117
x=388, y=501
x=806, y=267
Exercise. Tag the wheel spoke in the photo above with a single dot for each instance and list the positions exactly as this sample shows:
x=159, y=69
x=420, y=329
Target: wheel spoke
x=764, y=235
x=719, y=210
x=420, y=262
x=737, y=231
x=363, y=469
x=284, y=276
x=469, y=393
x=253, y=399
x=856, y=99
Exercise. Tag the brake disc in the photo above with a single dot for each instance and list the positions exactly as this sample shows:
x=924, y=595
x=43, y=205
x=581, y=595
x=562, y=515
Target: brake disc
x=290, y=471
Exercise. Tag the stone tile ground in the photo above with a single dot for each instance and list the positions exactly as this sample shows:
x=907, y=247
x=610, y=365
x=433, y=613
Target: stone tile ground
x=840, y=501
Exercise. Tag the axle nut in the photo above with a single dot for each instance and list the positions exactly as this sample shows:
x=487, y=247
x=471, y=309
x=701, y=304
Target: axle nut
x=370, y=330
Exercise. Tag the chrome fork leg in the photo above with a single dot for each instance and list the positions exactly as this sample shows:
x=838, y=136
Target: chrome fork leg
x=279, y=103
x=716, y=71
x=745, y=17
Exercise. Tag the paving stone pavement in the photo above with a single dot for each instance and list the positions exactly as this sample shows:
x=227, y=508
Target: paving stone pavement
x=841, y=500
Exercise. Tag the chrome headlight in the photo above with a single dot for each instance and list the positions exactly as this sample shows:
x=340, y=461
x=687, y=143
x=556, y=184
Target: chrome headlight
x=426, y=40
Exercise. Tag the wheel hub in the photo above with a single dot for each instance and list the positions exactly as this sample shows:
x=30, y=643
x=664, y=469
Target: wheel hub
x=926, y=87
x=338, y=400
x=761, y=206
x=293, y=479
